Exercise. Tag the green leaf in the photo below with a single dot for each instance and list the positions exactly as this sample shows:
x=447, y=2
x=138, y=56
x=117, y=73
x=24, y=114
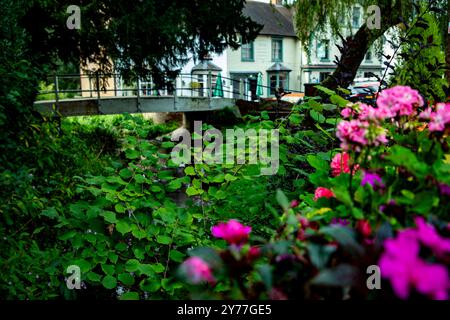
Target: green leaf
x=130, y=296
x=126, y=278
x=132, y=154
x=190, y=171
x=109, y=282
x=146, y=269
x=158, y=268
x=176, y=256
x=68, y=235
x=132, y=265
x=126, y=173
x=50, y=212
x=325, y=90
x=109, y=216
x=120, y=208
x=163, y=239
x=192, y=191
x=95, y=277
x=317, y=116
x=320, y=254
x=229, y=177
x=123, y=227
x=282, y=199
x=403, y=157
x=345, y=237
x=150, y=285
x=343, y=275
x=108, y=269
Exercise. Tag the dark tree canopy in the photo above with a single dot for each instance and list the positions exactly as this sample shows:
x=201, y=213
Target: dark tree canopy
x=142, y=37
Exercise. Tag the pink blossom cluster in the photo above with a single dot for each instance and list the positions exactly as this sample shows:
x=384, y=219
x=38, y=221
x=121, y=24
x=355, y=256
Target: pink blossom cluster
x=355, y=134
x=439, y=119
x=402, y=265
x=197, y=271
x=398, y=101
x=232, y=231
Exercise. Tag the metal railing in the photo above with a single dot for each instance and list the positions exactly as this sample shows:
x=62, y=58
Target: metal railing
x=96, y=85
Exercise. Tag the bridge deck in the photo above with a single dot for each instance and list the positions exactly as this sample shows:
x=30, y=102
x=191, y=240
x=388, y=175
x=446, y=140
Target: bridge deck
x=132, y=104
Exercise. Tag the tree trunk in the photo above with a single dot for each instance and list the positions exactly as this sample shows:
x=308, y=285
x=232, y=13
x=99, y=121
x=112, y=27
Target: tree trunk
x=353, y=52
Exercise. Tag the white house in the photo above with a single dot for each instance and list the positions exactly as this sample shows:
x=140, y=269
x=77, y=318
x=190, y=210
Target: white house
x=277, y=54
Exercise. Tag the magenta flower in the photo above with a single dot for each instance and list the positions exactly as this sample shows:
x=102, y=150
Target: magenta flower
x=444, y=189
x=373, y=179
x=322, y=192
x=197, y=271
x=402, y=265
x=342, y=222
x=233, y=232
x=428, y=235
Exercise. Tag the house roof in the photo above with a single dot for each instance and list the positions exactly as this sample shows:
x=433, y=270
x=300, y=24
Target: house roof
x=278, y=67
x=206, y=65
x=277, y=20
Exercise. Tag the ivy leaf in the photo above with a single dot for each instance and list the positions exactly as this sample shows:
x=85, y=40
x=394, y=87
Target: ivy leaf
x=126, y=278
x=190, y=171
x=163, y=239
x=109, y=282
x=132, y=265
x=130, y=296
x=109, y=216
x=123, y=227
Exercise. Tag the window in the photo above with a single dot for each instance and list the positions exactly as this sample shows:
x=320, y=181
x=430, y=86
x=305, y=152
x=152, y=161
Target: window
x=356, y=17
x=247, y=52
x=323, y=76
x=278, y=80
x=277, y=49
x=323, y=50
x=369, y=55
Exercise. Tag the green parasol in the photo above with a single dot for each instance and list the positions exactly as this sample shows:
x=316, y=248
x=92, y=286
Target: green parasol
x=259, y=85
x=218, y=90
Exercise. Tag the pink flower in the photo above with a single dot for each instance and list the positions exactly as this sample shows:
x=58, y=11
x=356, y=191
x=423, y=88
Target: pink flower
x=323, y=193
x=428, y=235
x=355, y=134
x=294, y=204
x=399, y=101
x=339, y=164
x=402, y=265
x=439, y=119
x=363, y=226
x=348, y=113
x=233, y=232
x=197, y=271
x=373, y=179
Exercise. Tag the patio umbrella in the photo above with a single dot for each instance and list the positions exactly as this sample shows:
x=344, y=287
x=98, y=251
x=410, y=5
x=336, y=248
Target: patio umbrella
x=259, y=85
x=218, y=90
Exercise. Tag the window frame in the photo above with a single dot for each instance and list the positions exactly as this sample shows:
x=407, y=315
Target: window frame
x=327, y=51
x=280, y=40
x=252, y=52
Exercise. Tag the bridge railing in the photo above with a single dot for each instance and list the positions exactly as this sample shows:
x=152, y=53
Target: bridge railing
x=95, y=85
